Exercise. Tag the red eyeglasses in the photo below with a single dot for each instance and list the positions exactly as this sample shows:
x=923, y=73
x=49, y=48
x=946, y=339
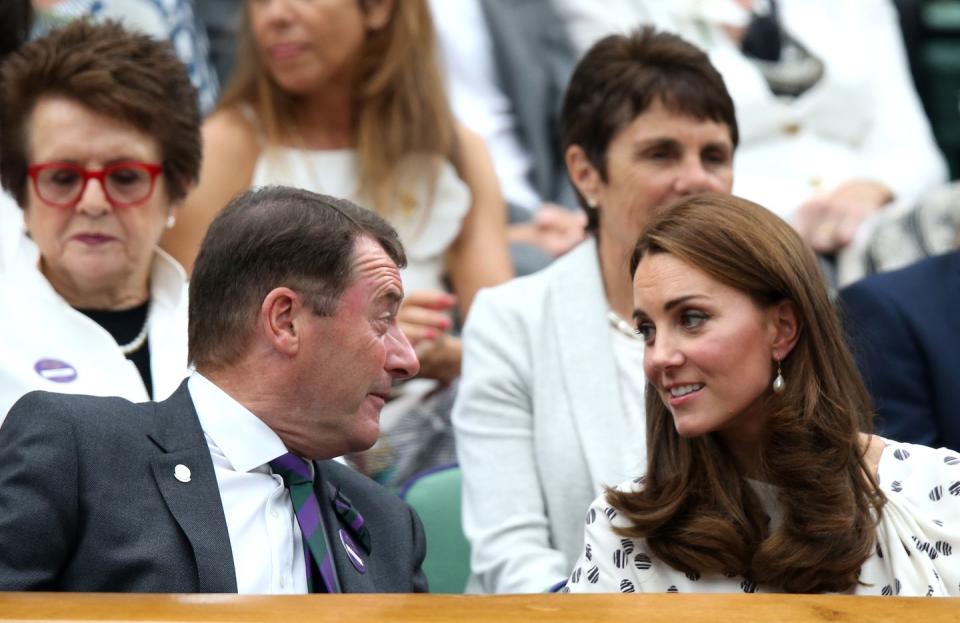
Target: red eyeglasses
x=125, y=184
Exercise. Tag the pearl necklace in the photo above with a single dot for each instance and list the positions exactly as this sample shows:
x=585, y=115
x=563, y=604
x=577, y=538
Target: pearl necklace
x=137, y=343
x=622, y=325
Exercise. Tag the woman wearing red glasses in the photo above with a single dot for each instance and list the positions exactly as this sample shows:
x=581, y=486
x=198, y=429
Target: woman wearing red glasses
x=99, y=143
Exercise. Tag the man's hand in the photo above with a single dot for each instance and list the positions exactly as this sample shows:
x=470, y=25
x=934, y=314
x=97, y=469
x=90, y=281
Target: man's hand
x=830, y=221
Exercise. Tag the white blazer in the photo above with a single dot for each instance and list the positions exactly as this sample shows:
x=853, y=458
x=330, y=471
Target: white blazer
x=45, y=344
x=540, y=428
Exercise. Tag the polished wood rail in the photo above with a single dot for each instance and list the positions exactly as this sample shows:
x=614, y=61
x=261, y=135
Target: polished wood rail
x=62, y=607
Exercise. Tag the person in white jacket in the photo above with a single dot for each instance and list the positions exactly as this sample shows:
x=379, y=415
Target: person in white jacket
x=99, y=168
x=550, y=408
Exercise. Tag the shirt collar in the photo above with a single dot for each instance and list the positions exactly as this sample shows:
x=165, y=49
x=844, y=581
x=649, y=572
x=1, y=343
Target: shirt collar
x=245, y=440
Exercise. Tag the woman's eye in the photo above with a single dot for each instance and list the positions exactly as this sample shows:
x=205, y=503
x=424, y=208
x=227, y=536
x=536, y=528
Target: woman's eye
x=646, y=331
x=692, y=319
x=64, y=178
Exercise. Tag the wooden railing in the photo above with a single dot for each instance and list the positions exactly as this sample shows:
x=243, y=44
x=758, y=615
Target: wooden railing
x=62, y=607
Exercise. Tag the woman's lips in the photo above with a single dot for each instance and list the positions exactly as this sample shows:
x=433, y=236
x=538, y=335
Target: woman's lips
x=92, y=239
x=285, y=51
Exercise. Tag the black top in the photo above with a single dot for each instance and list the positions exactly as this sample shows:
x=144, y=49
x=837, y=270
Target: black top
x=124, y=325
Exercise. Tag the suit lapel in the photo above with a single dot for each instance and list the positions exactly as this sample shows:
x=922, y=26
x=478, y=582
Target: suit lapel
x=353, y=577
x=581, y=330
x=195, y=504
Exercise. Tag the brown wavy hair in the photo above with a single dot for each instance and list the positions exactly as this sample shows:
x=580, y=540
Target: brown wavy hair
x=695, y=509
x=400, y=105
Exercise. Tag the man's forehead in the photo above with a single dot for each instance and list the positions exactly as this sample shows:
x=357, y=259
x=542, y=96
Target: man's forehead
x=371, y=263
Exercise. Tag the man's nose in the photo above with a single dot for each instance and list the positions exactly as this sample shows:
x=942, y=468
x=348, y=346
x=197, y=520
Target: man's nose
x=402, y=362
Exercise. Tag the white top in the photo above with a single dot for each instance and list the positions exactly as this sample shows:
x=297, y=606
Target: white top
x=918, y=532
x=475, y=95
x=427, y=219
x=48, y=345
x=265, y=538
x=863, y=119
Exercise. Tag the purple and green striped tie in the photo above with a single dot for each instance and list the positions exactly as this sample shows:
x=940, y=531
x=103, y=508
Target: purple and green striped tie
x=297, y=477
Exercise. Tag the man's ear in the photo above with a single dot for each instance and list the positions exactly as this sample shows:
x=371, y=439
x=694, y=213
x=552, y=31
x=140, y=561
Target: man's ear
x=280, y=320
x=583, y=174
x=786, y=328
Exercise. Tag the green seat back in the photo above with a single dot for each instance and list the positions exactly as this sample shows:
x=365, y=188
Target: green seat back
x=436, y=497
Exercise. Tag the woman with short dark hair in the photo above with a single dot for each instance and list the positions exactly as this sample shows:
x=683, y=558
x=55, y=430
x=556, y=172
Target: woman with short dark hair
x=99, y=144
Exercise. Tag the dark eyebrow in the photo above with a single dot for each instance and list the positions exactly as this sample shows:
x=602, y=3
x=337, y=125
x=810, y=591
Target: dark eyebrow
x=639, y=313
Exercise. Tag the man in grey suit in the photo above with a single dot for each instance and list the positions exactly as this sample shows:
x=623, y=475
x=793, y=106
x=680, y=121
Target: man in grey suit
x=294, y=337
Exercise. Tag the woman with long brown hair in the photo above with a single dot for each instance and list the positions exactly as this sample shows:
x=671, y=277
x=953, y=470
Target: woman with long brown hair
x=761, y=473
x=345, y=97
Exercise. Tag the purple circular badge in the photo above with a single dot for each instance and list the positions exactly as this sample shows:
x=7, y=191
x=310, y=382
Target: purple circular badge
x=56, y=370
x=352, y=553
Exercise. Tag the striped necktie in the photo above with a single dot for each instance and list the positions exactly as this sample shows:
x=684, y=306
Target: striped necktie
x=297, y=478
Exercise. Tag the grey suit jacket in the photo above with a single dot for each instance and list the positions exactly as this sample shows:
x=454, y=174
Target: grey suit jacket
x=89, y=502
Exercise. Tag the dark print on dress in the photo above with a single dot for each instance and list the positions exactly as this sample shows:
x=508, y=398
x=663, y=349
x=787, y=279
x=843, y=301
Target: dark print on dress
x=575, y=576
x=951, y=460
x=591, y=516
x=929, y=591
x=627, y=545
x=879, y=551
x=593, y=575
x=896, y=487
x=925, y=548
x=938, y=522
x=620, y=558
x=748, y=586
x=887, y=591
x=936, y=493
x=955, y=488
x=896, y=586
x=944, y=548
x=588, y=552
x=626, y=586
x=642, y=562
x=610, y=512
x=673, y=589
x=900, y=454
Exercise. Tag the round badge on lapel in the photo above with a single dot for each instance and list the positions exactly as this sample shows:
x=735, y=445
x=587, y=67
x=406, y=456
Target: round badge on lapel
x=182, y=473
x=352, y=553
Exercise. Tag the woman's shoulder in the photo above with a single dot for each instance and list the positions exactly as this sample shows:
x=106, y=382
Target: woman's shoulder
x=921, y=479
x=233, y=128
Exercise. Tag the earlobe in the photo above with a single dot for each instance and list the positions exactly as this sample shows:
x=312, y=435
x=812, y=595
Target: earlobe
x=377, y=13
x=583, y=174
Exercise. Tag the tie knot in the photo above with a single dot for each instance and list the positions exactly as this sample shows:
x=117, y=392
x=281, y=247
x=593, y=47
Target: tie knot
x=292, y=469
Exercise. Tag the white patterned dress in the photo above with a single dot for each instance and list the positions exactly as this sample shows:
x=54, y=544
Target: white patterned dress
x=917, y=537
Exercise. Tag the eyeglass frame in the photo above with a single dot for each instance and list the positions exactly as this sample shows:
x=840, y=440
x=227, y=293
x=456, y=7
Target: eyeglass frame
x=153, y=170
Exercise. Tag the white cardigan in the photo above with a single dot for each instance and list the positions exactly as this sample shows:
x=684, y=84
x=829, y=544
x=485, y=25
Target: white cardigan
x=539, y=424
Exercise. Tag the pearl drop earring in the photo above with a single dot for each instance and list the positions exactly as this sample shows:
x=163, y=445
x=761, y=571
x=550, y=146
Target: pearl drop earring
x=778, y=383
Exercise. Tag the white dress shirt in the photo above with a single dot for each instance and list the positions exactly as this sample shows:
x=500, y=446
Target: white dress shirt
x=264, y=535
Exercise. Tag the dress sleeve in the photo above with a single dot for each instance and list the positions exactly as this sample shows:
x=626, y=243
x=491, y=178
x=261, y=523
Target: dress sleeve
x=504, y=513
x=919, y=531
